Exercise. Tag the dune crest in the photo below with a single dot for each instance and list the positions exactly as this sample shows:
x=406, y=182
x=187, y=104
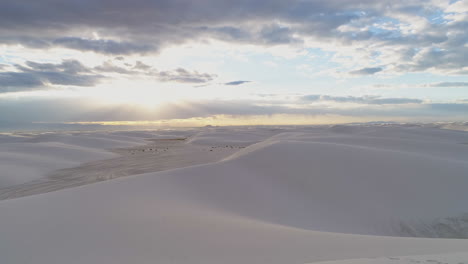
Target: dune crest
x=299, y=195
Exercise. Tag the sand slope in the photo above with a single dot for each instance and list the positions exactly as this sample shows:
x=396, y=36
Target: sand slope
x=31, y=157
x=268, y=203
x=48, y=162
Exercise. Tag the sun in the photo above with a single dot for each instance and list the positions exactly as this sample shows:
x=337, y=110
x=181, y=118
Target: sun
x=143, y=93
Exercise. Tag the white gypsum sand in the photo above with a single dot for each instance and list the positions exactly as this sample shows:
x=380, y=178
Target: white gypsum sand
x=299, y=195
x=27, y=157
x=41, y=156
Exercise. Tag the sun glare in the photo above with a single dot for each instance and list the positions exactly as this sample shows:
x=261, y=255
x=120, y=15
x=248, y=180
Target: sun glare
x=142, y=93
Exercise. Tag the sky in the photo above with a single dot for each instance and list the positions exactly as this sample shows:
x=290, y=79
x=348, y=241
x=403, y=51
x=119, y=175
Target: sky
x=223, y=62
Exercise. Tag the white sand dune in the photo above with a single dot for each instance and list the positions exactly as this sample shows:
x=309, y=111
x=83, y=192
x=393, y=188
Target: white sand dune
x=297, y=196
x=34, y=169
x=455, y=258
x=31, y=157
x=232, y=136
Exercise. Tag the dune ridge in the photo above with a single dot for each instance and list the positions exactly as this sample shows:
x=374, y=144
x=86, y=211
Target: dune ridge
x=296, y=195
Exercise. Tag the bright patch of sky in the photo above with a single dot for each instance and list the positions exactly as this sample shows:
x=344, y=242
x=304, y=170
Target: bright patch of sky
x=412, y=55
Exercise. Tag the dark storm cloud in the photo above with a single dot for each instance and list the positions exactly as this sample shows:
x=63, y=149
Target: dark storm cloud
x=371, y=100
x=366, y=71
x=233, y=83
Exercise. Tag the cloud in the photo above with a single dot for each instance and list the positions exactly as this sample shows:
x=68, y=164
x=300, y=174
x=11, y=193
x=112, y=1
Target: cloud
x=141, y=66
x=104, y=46
x=450, y=107
x=399, y=37
x=366, y=71
x=68, y=66
x=448, y=58
x=236, y=82
x=449, y=84
x=371, y=100
x=37, y=75
x=18, y=79
x=109, y=67
x=32, y=41
x=394, y=101
x=276, y=34
x=404, y=36
x=179, y=75
x=184, y=76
